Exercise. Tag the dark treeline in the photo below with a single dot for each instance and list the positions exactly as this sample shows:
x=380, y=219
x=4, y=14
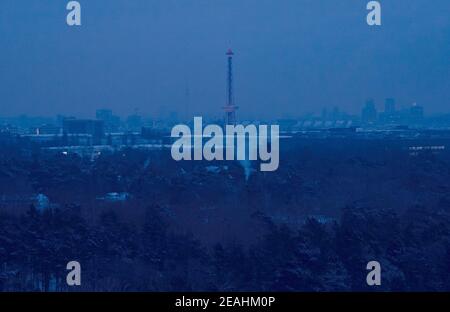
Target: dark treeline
x=413, y=249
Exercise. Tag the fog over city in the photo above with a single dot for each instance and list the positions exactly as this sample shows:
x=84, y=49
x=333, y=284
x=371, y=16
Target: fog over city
x=156, y=57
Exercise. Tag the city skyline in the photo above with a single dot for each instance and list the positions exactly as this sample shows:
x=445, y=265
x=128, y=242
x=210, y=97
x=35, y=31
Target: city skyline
x=391, y=115
x=380, y=107
x=284, y=67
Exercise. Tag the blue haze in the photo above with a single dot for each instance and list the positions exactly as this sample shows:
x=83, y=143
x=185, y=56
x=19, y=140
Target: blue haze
x=292, y=56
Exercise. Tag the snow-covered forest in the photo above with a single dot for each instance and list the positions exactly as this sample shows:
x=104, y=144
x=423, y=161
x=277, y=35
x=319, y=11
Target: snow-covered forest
x=137, y=220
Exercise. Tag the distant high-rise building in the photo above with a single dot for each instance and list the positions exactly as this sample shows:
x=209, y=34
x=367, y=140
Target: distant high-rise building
x=389, y=106
x=390, y=114
x=134, y=122
x=324, y=114
x=416, y=113
x=335, y=114
x=111, y=122
x=369, y=112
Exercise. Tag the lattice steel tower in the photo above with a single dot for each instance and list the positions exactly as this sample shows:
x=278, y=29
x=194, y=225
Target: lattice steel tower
x=230, y=108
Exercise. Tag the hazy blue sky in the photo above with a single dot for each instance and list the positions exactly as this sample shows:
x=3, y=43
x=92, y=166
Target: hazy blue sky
x=292, y=56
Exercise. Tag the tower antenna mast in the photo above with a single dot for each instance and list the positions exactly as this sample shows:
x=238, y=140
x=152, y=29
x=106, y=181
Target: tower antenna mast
x=230, y=108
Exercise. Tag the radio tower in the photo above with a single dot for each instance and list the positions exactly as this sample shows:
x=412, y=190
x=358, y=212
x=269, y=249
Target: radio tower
x=230, y=108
